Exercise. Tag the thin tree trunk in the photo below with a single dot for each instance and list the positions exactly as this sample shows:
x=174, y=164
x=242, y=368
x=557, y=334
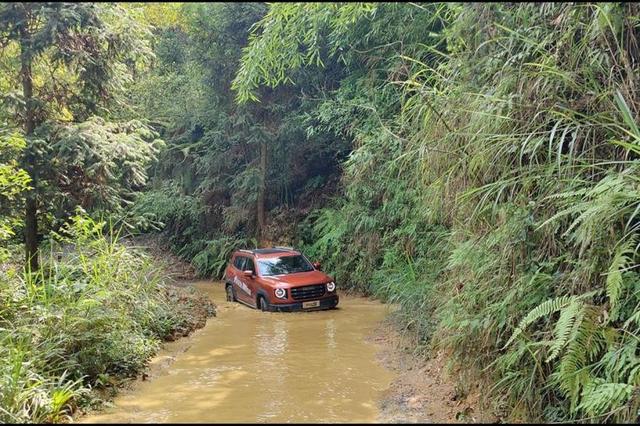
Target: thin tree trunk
x=31, y=218
x=261, y=192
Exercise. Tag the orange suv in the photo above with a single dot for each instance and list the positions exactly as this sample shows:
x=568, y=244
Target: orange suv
x=278, y=279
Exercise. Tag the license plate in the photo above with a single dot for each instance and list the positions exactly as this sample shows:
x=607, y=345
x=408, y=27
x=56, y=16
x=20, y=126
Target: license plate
x=313, y=304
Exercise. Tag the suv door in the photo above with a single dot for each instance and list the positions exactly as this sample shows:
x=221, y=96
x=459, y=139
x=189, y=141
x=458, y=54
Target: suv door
x=230, y=271
x=251, y=281
x=238, y=277
x=243, y=292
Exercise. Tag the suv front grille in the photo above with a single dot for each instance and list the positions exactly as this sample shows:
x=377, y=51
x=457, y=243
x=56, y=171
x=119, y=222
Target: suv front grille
x=308, y=292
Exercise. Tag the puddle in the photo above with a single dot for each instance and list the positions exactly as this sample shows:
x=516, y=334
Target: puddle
x=250, y=366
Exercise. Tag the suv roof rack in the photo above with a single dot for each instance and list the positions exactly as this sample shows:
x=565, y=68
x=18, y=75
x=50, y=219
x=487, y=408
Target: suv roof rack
x=271, y=250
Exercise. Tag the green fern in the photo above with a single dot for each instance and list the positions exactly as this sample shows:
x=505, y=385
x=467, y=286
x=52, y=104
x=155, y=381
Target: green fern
x=635, y=318
x=600, y=397
x=547, y=308
x=543, y=310
x=583, y=346
x=567, y=325
x=622, y=257
x=634, y=373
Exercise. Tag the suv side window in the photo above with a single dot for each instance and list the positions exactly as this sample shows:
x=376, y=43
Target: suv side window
x=239, y=262
x=249, y=265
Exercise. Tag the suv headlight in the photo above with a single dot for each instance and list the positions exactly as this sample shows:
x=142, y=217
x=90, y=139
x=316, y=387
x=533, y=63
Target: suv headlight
x=281, y=293
x=331, y=286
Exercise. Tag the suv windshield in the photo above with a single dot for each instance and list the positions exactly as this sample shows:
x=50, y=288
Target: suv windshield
x=284, y=265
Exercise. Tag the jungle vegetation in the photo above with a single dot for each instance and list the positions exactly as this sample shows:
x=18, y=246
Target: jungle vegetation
x=476, y=164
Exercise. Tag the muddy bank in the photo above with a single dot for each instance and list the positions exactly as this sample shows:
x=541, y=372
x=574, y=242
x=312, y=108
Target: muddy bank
x=423, y=391
x=192, y=303
x=177, y=271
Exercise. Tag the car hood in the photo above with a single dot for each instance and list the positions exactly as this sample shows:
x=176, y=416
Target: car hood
x=299, y=278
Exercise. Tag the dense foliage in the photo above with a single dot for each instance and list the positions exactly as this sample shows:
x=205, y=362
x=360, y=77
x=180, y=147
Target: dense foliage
x=13, y=182
x=62, y=64
x=225, y=163
x=93, y=312
x=475, y=163
x=492, y=186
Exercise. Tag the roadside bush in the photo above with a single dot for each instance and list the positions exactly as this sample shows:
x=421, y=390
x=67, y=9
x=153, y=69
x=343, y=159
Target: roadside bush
x=182, y=221
x=212, y=258
x=92, y=316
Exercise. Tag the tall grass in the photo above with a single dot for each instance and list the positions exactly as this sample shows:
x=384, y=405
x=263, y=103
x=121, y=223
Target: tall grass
x=92, y=316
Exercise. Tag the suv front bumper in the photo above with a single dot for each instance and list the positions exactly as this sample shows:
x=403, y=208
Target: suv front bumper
x=325, y=303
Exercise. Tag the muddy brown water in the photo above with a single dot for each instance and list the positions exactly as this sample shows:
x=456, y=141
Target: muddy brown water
x=250, y=366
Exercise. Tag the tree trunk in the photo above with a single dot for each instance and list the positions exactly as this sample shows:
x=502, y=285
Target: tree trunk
x=261, y=192
x=31, y=232
x=31, y=218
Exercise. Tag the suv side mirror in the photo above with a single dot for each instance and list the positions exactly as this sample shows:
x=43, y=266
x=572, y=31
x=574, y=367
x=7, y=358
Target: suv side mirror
x=248, y=273
x=316, y=265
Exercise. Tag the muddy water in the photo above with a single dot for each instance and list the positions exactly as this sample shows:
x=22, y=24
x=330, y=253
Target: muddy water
x=250, y=366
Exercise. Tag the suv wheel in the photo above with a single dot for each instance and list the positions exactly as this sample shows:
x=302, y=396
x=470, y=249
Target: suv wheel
x=263, y=303
x=231, y=296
